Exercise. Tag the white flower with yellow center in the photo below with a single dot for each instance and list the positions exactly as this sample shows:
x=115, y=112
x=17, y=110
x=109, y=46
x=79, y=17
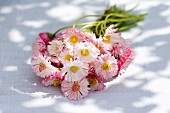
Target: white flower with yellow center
x=75, y=90
x=73, y=36
x=66, y=56
x=111, y=36
x=109, y=40
x=106, y=66
x=93, y=82
x=55, y=47
x=42, y=67
x=73, y=39
x=75, y=70
x=114, y=40
x=86, y=52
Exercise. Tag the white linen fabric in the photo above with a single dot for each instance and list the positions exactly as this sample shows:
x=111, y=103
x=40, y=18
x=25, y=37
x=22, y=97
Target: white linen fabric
x=144, y=88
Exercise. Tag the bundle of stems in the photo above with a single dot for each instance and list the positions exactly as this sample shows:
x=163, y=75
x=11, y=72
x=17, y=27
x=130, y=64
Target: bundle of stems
x=121, y=18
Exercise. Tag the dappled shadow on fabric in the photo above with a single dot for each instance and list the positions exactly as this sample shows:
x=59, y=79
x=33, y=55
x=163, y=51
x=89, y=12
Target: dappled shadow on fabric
x=27, y=19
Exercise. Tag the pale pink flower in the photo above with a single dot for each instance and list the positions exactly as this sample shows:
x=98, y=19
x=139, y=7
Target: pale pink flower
x=96, y=82
x=39, y=47
x=122, y=43
x=86, y=52
x=110, y=30
x=42, y=67
x=117, y=52
x=75, y=70
x=58, y=36
x=111, y=36
x=72, y=36
x=75, y=90
x=114, y=39
x=106, y=66
x=54, y=79
x=111, y=39
x=66, y=56
x=91, y=37
x=55, y=47
x=125, y=60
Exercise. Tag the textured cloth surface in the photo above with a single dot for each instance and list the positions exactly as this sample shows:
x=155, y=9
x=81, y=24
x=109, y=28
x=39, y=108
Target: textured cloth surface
x=144, y=88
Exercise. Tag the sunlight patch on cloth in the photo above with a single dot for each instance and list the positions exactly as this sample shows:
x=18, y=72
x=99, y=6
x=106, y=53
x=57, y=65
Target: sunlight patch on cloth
x=16, y=36
x=71, y=12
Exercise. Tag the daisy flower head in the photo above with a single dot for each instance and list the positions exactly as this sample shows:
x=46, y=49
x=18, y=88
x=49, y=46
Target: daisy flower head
x=110, y=30
x=73, y=36
x=96, y=82
x=125, y=60
x=114, y=38
x=58, y=36
x=91, y=37
x=54, y=79
x=119, y=48
x=75, y=90
x=55, y=47
x=66, y=56
x=103, y=49
x=86, y=52
x=117, y=52
x=111, y=38
x=126, y=43
x=75, y=70
x=42, y=67
x=39, y=47
x=121, y=43
x=106, y=66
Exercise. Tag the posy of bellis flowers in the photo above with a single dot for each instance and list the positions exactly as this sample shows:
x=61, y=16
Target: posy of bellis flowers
x=79, y=62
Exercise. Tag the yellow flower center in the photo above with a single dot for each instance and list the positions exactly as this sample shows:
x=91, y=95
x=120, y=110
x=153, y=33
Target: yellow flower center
x=68, y=57
x=73, y=39
x=75, y=87
x=74, y=69
x=84, y=52
x=56, y=48
x=56, y=82
x=105, y=66
x=98, y=47
x=42, y=66
x=106, y=39
x=92, y=82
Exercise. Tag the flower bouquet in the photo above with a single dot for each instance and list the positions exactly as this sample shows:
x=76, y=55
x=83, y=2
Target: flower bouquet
x=80, y=61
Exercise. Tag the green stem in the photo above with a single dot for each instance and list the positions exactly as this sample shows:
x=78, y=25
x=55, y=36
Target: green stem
x=61, y=29
x=97, y=28
x=106, y=20
x=81, y=24
x=86, y=26
x=132, y=8
x=113, y=15
x=117, y=24
x=120, y=20
x=102, y=28
x=86, y=23
x=126, y=27
x=74, y=25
